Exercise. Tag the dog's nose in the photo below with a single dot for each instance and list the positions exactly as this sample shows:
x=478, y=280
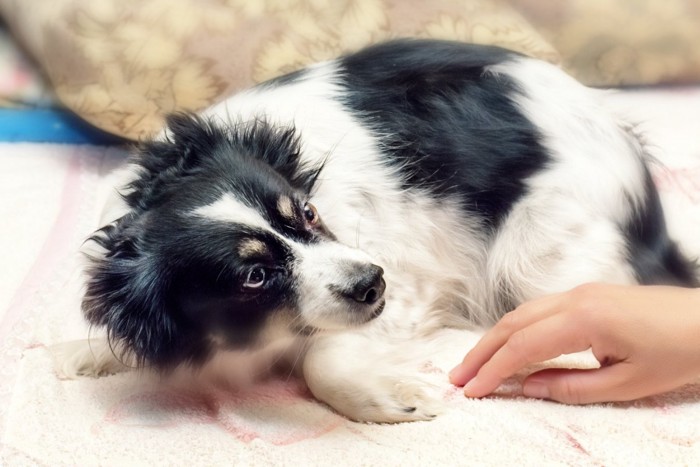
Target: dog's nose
x=370, y=285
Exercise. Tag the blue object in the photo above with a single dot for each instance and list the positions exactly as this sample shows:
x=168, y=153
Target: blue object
x=50, y=126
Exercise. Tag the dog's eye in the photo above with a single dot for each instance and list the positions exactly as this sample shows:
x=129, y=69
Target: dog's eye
x=311, y=214
x=256, y=278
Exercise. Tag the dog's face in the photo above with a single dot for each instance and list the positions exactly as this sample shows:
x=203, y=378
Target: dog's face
x=221, y=248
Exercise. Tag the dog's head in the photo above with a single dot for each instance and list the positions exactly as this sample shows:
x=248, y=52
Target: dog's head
x=221, y=248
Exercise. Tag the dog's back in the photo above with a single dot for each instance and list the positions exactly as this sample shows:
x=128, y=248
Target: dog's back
x=479, y=123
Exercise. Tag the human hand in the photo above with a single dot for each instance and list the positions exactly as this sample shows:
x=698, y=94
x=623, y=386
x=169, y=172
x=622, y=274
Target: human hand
x=646, y=338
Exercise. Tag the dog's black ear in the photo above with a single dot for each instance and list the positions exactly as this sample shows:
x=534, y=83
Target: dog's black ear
x=279, y=147
x=186, y=139
x=193, y=136
x=192, y=141
x=189, y=139
x=126, y=292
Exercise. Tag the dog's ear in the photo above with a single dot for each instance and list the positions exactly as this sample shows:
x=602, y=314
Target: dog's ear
x=188, y=138
x=191, y=142
x=126, y=292
x=192, y=133
x=188, y=141
x=280, y=147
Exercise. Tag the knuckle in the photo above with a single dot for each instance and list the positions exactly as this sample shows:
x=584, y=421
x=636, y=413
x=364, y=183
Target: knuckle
x=524, y=308
x=517, y=345
x=567, y=390
x=510, y=322
x=588, y=301
x=585, y=292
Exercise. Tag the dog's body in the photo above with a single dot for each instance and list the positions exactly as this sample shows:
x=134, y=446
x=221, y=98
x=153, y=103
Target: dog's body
x=462, y=179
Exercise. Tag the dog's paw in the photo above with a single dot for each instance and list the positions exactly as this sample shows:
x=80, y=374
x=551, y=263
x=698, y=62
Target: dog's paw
x=83, y=358
x=379, y=399
x=367, y=381
x=400, y=401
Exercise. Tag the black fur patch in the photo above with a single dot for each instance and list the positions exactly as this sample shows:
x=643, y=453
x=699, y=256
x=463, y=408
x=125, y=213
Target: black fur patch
x=654, y=257
x=444, y=122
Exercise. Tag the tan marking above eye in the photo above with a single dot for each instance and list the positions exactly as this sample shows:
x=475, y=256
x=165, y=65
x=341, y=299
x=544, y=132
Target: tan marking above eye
x=285, y=206
x=251, y=247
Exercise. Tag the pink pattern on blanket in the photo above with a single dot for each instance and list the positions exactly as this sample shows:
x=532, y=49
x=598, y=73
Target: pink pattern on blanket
x=685, y=181
x=55, y=248
x=277, y=412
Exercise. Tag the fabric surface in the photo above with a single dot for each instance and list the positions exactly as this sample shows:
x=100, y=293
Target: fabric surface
x=28, y=110
x=50, y=198
x=123, y=65
x=47, y=125
x=21, y=84
x=623, y=42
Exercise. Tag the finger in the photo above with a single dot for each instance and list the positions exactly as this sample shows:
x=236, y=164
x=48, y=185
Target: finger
x=604, y=384
x=494, y=339
x=542, y=340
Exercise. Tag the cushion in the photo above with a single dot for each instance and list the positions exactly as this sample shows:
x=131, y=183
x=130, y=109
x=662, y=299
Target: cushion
x=123, y=65
x=622, y=42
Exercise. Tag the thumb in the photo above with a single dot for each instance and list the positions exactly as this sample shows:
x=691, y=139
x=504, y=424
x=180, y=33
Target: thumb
x=575, y=386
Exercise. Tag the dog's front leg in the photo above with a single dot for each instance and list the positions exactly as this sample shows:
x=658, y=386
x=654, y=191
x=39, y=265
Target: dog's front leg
x=366, y=380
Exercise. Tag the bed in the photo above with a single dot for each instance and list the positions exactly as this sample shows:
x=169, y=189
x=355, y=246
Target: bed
x=51, y=193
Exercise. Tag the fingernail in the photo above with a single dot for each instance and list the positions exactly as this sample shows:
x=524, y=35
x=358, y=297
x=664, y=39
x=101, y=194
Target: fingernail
x=536, y=390
x=456, y=374
x=469, y=387
x=452, y=371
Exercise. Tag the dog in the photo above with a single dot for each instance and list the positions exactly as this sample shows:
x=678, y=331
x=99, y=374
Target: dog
x=334, y=218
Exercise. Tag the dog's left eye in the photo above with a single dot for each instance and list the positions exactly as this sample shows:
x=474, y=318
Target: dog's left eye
x=311, y=215
x=256, y=278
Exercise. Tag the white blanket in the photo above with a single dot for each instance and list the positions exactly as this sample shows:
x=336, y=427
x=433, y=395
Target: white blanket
x=50, y=201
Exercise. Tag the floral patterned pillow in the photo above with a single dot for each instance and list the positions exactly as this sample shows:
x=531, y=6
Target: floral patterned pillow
x=621, y=42
x=122, y=65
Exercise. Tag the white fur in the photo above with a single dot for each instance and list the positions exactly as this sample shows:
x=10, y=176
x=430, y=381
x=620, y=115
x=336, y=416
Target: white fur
x=229, y=209
x=561, y=217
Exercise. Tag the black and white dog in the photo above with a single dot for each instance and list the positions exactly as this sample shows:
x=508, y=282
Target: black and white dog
x=337, y=216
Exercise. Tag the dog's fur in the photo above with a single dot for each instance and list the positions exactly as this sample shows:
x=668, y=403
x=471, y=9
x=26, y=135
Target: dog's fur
x=462, y=179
